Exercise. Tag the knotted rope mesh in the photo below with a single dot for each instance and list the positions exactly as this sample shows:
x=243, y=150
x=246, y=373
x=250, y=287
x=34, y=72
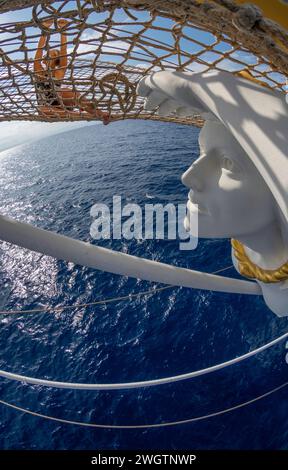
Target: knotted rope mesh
x=112, y=44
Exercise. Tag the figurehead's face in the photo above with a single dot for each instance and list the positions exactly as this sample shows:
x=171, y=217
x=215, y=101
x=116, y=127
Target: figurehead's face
x=52, y=59
x=226, y=190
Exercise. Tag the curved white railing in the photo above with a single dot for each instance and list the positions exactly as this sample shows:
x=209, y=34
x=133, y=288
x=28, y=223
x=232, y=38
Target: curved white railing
x=139, y=384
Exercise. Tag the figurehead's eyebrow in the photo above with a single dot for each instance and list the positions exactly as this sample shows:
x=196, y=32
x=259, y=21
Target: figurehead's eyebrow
x=218, y=152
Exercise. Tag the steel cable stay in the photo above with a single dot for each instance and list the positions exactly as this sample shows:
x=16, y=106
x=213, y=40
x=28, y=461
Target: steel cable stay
x=99, y=302
x=146, y=426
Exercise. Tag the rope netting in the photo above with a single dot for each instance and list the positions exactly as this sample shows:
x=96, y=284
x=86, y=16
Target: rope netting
x=104, y=47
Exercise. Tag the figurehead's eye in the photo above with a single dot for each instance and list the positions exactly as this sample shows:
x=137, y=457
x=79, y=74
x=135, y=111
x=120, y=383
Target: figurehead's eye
x=227, y=164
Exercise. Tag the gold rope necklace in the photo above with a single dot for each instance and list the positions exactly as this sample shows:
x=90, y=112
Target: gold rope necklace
x=248, y=269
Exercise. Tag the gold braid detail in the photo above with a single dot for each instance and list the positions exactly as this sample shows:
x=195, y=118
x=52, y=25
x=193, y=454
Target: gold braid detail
x=248, y=269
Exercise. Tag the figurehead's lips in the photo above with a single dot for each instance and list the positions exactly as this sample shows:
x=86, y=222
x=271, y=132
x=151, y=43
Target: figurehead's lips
x=256, y=116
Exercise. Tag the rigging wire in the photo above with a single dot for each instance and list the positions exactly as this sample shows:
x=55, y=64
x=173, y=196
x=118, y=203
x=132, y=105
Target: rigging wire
x=145, y=426
x=98, y=302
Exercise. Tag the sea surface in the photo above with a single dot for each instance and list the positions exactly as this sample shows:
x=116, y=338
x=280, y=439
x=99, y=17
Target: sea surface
x=53, y=183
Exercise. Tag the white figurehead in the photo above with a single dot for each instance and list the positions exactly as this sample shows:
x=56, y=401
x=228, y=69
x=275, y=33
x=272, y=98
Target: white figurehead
x=239, y=184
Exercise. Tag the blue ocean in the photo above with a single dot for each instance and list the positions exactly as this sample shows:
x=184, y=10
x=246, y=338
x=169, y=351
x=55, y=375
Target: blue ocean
x=53, y=183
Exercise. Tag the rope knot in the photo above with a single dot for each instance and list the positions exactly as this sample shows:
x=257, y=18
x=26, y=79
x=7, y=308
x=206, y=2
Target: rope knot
x=207, y=6
x=246, y=17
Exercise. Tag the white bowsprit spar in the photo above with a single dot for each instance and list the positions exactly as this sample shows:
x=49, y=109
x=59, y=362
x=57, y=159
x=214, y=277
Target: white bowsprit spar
x=78, y=252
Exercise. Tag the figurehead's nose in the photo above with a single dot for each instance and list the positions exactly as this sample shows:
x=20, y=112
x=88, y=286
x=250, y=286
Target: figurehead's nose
x=193, y=177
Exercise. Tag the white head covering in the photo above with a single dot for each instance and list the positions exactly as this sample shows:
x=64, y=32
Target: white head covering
x=256, y=116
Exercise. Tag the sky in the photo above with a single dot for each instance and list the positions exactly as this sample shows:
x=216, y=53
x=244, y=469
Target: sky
x=15, y=133
x=22, y=132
